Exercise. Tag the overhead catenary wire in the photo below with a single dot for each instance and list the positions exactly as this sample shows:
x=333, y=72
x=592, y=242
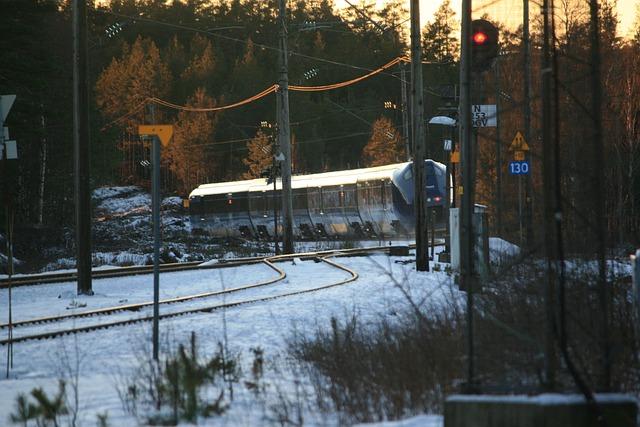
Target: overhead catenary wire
x=271, y=89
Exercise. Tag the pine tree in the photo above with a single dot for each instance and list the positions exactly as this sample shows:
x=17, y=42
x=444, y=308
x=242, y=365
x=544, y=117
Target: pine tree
x=187, y=156
x=439, y=42
x=259, y=156
x=385, y=144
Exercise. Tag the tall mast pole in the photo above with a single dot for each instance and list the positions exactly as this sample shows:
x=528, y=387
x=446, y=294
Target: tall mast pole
x=526, y=41
x=467, y=205
x=417, y=110
x=284, y=138
x=81, y=147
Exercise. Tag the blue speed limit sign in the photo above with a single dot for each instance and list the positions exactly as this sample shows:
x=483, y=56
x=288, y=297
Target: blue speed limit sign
x=519, y=168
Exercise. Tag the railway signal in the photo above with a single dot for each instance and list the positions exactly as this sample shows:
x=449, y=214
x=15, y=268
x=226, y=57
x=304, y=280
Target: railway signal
x=484, y=45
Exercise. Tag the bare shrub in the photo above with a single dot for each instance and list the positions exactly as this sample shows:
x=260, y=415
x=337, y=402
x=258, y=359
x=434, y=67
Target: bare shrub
x=385, y=371
x=409, y=363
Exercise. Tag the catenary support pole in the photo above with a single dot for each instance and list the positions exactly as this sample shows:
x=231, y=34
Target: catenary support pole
x=466, y=208
x=549, y=191
x=418, y=125
x=526, y=105
x=406, y=131
x=81, y=147
x=284, y=140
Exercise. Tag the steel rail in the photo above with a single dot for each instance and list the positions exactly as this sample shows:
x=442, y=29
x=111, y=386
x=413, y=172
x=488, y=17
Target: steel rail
x=145, y=269
x=139, y=306
x=208, y=309
x=121, y=271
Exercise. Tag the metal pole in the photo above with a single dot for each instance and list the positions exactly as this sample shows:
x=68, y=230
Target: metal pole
x=417, y=110
x=635, y=260
x=155, y=207
x=598, y=159
x=9, y=236
x=528, y=200
x=405, y=111
x=43, y=166
x=466, y=208
x=447, y=200
x=547, y=155
x=275, y=209
x=283, y=134
x=498, y=154
x=81, y=147
x=520, y=225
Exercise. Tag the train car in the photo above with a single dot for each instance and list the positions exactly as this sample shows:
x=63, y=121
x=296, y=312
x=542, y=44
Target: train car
x=359, y=203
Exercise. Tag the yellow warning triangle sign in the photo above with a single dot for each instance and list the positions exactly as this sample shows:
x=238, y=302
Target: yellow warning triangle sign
x=518, y=143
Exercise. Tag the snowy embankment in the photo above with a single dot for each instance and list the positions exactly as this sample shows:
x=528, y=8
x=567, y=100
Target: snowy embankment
x=105, y=357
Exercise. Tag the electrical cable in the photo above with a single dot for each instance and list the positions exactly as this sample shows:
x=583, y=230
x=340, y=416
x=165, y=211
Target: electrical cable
x=262, y=94
x=345, y=83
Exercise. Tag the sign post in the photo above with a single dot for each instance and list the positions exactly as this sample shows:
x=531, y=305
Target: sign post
x=8, y=151
x=520, y=166
x=158, y=133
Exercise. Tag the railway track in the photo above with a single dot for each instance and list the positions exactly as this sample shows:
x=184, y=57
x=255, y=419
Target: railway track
x=40, y=279
x=322, y=256
x=120, y=271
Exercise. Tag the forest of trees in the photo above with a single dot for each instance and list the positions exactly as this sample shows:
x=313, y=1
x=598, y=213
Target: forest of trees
x=201, y=54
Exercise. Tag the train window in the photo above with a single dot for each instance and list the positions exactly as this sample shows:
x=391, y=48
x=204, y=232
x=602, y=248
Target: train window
x=299, y=199
x=408, y=174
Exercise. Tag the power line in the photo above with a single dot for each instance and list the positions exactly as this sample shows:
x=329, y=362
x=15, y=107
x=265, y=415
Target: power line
x=271, y=89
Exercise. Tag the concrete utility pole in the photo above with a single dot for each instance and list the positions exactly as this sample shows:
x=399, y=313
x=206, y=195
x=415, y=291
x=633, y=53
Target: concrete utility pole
x=467, y=278
x=406, y=132
x=417, y=110
x=284, y=140
x=81, y=147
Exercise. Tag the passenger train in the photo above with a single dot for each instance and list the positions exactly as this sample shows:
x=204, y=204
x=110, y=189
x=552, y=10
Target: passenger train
x=363, y=203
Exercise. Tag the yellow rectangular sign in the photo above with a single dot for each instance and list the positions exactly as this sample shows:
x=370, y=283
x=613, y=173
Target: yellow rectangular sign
x=455, y=157
x=518, y=156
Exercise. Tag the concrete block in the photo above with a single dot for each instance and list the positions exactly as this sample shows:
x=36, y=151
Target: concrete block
x=545, y=410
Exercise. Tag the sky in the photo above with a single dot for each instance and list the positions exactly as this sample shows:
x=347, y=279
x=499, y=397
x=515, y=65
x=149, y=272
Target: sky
x=509, y=10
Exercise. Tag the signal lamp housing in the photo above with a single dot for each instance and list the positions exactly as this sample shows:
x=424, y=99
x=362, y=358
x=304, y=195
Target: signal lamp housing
x=484, y=45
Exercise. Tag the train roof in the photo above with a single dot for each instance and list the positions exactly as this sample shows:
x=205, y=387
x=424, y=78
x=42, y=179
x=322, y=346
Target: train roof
x=301, y=181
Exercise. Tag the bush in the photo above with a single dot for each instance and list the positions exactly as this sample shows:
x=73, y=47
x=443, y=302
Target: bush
x=177, y=388
x=411, y=363
x=45, y=411
x=386, y=371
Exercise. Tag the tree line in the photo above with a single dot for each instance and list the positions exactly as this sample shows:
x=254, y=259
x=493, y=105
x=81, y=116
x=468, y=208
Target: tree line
x=202, y=54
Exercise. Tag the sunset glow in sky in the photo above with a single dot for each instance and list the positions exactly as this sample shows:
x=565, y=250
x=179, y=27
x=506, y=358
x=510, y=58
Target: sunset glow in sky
x=508, y=10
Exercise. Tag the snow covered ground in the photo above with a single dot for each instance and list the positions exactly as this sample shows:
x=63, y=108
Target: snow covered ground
x=106, y=357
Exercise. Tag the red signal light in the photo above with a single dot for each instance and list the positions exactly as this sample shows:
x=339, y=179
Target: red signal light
x=484, y=45
x=479, y=37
